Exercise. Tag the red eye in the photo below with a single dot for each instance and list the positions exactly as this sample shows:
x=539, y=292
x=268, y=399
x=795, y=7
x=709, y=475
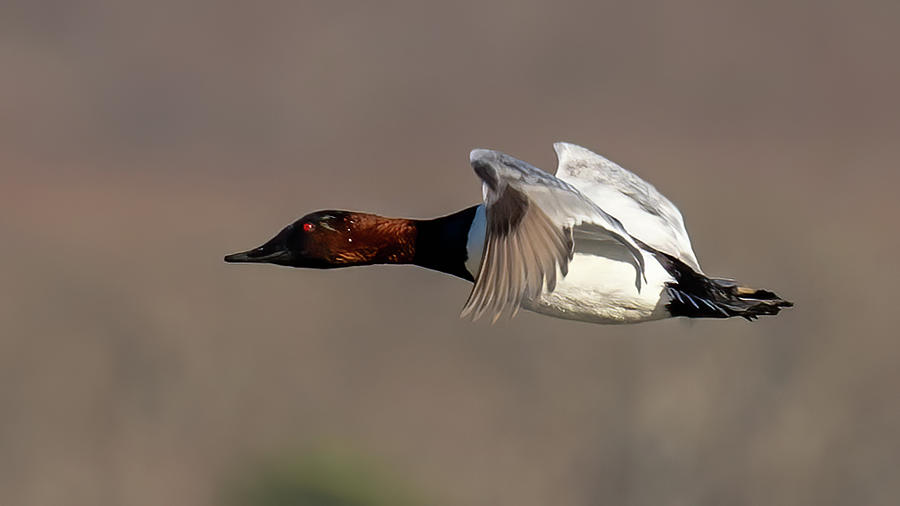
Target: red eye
x=308, y=227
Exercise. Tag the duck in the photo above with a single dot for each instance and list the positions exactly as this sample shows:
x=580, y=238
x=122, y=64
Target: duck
x=592, y=243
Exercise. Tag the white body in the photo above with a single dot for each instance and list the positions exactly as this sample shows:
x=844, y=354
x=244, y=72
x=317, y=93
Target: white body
x=600, y=287
x=590, y=195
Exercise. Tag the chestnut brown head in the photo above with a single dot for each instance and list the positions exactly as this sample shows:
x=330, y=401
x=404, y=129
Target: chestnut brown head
x=329, y=239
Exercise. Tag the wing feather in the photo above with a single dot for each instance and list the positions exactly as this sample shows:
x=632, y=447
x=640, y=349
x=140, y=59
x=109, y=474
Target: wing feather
x=645, y=212
x=530, y=217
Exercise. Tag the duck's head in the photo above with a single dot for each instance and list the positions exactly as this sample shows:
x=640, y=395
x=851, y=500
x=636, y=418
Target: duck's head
x=328, y=239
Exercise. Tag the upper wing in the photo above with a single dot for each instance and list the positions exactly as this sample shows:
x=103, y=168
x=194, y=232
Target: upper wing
x=647, y=214
x=530, y=216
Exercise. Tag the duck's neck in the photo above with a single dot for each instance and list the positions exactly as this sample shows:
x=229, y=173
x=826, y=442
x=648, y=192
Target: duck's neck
x=438, y=244
x=441, y=243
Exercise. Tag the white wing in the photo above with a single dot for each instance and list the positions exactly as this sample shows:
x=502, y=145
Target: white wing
x=530, y=217
x=644, y=212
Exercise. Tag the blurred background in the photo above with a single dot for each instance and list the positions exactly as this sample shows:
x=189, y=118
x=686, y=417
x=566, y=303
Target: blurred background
x=141, y=141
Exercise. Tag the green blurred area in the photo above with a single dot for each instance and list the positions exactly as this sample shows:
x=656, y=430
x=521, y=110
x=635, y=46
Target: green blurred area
x=321, y=478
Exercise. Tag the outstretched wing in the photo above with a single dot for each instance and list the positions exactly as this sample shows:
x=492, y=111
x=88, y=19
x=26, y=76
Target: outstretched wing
x=530, y=218
x=645, y=212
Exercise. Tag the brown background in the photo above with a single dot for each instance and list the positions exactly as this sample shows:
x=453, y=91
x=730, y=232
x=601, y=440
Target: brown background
x=141, y=141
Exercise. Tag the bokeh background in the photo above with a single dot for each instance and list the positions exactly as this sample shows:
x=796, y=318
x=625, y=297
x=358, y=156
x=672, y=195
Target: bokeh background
x=141, y=141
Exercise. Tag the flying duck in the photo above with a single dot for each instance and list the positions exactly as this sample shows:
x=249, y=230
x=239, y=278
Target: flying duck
x=593, y=243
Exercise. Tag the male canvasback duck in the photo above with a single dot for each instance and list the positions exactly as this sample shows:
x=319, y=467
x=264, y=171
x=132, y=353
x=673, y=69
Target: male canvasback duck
x=594, y=243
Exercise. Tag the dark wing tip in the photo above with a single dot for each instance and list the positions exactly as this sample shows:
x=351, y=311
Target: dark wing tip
x=480, y=159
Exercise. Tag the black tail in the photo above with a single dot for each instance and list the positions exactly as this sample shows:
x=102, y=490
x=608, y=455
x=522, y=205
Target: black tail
x=697, y=296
